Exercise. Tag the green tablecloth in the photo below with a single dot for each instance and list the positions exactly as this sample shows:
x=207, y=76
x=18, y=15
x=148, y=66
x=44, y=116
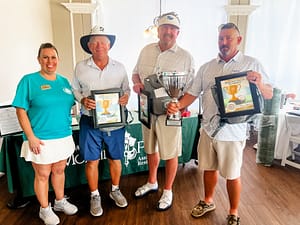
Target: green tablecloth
x=20, y=174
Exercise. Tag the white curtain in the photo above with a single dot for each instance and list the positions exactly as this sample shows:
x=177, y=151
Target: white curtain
x=274, y=38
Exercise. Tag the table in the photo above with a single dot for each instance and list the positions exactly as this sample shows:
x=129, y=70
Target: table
x=20, y=174
x=287, y=125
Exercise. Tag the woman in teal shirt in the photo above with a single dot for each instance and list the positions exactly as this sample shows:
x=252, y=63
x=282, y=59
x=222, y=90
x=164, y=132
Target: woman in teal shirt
x=43, y=104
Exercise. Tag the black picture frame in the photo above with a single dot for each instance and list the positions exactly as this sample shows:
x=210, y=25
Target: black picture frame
x=144, y=105
x=9, y=123
x=236, y=95
x=108, y=112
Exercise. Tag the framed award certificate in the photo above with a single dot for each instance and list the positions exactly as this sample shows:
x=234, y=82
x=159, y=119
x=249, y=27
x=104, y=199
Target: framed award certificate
x=236, y=95
x=108, y=111
x=144, y=108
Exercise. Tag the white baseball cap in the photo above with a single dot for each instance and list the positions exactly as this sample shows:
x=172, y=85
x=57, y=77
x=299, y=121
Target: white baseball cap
x=170, y=18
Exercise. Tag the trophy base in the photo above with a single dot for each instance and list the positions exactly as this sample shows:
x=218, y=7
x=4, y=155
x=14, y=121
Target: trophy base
x=177, y=123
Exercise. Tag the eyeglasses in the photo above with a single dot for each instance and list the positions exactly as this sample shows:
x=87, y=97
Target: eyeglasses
x=228, y=26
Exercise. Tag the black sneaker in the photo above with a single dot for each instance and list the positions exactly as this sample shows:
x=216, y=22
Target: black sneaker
x=18, y=203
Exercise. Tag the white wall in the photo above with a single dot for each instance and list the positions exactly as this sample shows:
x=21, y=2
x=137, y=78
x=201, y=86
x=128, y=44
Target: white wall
x=278, y=46
x=199, y=18
x=24, y=26
x=30, y=24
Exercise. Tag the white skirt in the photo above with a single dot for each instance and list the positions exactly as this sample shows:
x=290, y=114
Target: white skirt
x=52, y=151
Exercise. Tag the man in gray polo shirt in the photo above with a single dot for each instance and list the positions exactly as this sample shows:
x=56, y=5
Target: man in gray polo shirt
x=223, y=152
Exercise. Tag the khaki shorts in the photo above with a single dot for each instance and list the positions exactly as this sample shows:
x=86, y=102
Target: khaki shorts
x=167, y=140
x=225, y=156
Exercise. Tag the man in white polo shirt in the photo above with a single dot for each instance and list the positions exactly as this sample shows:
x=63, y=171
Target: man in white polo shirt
x=161, y=141
x=100, y=72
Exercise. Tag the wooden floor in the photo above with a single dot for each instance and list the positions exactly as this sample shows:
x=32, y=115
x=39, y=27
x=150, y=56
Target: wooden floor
x=270, y=196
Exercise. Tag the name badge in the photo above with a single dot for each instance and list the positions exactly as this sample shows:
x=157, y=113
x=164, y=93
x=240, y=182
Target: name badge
x=45, y=87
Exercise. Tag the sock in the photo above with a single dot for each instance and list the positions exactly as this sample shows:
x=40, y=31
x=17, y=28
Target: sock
x=114, y=187
x=58, y=201
x=45, y=209
x=168, y=193
x=152, y=186
x=94, y=193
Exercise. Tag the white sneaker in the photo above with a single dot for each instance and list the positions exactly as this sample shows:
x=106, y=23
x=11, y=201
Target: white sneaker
x=65, y=206
x=48, y=216
x=165, y=202
x=95, y=206
x=146, y=189
x=119, y=198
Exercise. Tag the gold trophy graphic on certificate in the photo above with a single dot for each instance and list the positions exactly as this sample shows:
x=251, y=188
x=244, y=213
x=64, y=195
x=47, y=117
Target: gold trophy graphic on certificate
x=232, y=90
x=105, y=103
x=173, y=82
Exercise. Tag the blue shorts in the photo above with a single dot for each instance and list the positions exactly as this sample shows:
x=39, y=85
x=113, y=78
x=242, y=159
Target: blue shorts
x=92, y=141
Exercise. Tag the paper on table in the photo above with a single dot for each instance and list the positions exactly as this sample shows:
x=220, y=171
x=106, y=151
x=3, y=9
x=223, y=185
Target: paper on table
x=9, y=123
x=74, y=121
x=294, y=112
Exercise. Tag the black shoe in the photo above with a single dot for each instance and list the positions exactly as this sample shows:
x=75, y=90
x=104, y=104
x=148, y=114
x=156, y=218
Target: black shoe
x=18, y=203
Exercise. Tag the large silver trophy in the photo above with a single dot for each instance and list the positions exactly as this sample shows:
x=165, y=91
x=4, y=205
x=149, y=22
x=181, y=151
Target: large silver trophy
x=173, y=82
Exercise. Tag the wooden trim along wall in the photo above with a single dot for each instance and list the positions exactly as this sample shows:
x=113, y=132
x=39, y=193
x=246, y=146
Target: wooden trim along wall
x=238, y=12
x=67, y=28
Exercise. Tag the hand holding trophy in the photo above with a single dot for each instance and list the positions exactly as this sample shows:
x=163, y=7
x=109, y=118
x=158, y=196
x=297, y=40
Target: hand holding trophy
x=173, y=82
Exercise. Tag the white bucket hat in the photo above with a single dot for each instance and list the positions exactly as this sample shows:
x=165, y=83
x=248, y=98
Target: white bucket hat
x=96, y=31
x=170, y=18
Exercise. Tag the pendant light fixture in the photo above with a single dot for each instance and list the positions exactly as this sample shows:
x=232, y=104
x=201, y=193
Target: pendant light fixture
x=152, y=29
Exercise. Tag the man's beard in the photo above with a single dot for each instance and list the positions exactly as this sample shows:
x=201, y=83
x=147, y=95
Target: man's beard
x=224, y=50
